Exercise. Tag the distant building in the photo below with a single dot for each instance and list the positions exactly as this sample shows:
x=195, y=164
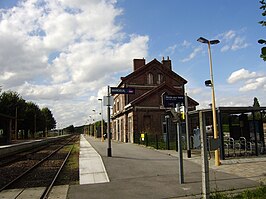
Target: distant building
x=143, y=112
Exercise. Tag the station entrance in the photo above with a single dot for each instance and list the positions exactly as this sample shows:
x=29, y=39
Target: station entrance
x=242, y=130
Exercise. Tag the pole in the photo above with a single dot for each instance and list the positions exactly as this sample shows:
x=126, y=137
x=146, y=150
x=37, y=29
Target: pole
x=180, y=153
x=204, y=158
x=109, y=149
x=16, y=124
x=187, y=130
x=35, y=126
x=215, y=131
x=102, y=120
x=167, y=132
x=102, y=139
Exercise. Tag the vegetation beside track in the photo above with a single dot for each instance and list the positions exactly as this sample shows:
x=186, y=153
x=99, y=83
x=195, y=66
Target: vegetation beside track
x=70, y=172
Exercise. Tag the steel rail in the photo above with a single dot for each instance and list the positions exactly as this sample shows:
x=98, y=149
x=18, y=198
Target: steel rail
x=49, y=188
x=31, y=168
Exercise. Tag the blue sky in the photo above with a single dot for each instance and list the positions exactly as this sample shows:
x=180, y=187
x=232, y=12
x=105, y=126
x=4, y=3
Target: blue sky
x=63, y=54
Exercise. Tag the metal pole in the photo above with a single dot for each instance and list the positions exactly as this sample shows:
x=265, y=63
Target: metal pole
x=180, y=153
x=102, y=120
x=109, y=149
x=167, y=132
x=187, y=130
x=204, y=158
x=255, y=134
x=16, y=124
x=215, y=132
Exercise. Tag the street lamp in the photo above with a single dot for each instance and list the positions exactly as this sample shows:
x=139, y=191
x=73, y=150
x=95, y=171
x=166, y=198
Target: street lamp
x=211, y=84
x=94, y=124
x=102, y=119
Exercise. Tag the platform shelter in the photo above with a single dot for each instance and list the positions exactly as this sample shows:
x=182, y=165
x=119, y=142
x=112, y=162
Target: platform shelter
x=242, y=130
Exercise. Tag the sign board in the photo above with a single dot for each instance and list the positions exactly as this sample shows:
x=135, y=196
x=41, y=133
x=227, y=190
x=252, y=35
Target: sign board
x=172, y=100
x=213, y=144
x=142, y=136
x=115, y=90
x=108, y=100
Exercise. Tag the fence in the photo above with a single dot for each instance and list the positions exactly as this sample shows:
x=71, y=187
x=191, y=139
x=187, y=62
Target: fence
x=161, y=141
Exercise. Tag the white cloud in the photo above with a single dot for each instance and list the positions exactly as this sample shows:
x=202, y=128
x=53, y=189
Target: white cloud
x=229, y=35
x=232, y=40
x=240, y=74
x=59, y=50
x=250, y=80
x=192, y=55
x=186, y=44
x=171, y=49
x=254, y=84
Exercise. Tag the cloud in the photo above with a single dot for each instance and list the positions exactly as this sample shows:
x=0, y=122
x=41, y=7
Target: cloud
x=239, y=75
x=232, y=40
x=254, y=84
x=186, y=44
x=64, y=50
x=171, y=49
x=250, y=80
x=192, y=55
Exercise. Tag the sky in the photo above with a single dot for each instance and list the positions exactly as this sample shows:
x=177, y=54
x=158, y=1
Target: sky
x=62, y=54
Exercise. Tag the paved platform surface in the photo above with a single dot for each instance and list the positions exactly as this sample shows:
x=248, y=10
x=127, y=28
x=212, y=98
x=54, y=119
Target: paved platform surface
x=91, y=167
x=136, y=171
x=139, y=172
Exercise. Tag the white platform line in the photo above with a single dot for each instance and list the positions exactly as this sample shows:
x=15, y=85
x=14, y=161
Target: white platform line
x=91, y=167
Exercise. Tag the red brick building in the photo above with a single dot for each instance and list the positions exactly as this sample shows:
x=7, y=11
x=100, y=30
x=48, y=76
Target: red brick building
x=143, y=112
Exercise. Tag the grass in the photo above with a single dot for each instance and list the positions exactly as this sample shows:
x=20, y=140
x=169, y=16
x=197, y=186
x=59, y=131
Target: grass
x=70, y=172
x=258, y=193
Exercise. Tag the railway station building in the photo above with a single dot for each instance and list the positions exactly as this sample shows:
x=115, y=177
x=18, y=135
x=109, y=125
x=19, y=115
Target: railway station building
x=142, y=112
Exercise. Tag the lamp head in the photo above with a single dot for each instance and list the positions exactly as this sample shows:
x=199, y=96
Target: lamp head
x=208, y=83
x=203, y=40
x=206, y=41
x=214, y=41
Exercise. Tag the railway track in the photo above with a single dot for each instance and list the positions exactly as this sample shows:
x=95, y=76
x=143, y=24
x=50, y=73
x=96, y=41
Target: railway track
x=40, y=169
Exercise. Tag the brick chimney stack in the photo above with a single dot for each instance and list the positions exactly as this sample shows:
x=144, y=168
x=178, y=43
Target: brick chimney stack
x=167, y=63
x=137, y=63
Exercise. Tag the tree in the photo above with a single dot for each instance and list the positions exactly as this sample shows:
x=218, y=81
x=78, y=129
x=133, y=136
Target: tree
x=263, y=23
x=29, y=117
x=49, y=120
x=256, y=103
x=12, y=104
x=70, y=129
x=32, y=112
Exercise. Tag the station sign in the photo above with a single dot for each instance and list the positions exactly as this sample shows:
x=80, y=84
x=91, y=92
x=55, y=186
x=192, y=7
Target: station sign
x=108, y=100
x=170, y=101
x=115, y=90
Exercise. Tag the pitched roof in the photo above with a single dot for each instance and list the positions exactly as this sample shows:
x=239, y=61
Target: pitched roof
x=144, y=67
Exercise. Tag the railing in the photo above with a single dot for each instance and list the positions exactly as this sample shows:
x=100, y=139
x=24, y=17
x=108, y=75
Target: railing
x=161, y=142
x=242, y=147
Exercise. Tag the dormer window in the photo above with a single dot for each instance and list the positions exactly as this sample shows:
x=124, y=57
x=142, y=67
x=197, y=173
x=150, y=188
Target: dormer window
x=150, y=78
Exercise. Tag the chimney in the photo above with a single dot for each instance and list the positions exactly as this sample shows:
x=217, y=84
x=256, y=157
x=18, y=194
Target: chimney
x=167, y=63
x=137, y=63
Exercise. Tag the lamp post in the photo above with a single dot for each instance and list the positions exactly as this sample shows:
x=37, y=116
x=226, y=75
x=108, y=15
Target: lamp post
x=94, y=124
x=102, y=119
x=211, y=42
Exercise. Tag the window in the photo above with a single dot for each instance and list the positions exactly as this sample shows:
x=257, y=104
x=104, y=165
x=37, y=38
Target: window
x=150, y=78
x=117, y=106
x=160, y=78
